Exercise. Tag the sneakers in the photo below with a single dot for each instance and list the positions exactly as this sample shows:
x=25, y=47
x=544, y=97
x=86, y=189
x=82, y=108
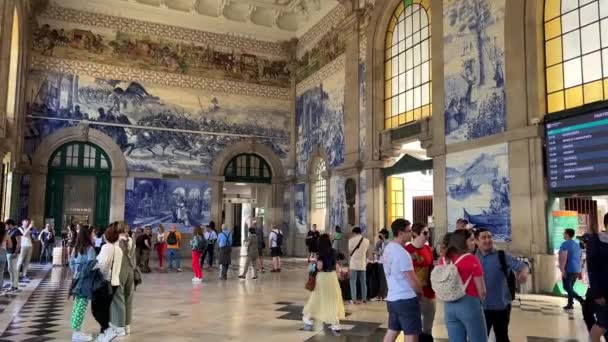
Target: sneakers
x=128, y=329
x=24, y=279
x=197, y=280
x=335, y=329
x=568, y=307
x=241, y=277
x=78, y=336
x=307, y=321
x=179, y=269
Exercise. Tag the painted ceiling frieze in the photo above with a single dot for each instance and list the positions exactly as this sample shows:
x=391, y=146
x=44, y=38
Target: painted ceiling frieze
x=326, y=25
x=60, y=65
x=320, y=75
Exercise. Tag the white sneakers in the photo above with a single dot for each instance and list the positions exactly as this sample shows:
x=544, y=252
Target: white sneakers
x=197, y=280
x=78, y=336
x=128, y=330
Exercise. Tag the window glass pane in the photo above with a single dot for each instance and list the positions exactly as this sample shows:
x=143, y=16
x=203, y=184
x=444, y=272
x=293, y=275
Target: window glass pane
x=590, y=36
x=402, y=63
x=589, y=14
x=572, y=45
x=569, y=5
x=572, y=73
x=591, y=67
x=402, y=83
x=401, y=103
x=104, y=163
x=409, y=100
x=570, y=21
x=605, y=62
x=603, y=8
x=425, y=94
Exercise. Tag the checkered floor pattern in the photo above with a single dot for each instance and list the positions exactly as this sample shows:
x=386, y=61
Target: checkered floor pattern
x=544, y=307
x=35, y=271
x=41, y=315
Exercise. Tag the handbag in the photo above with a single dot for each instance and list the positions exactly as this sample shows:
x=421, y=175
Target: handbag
x=311, y=283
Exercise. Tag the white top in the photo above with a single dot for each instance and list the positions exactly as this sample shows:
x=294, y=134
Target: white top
x=109, y=261
x=273, y=237
x=98, y=241
x=26, y=239
x=397, y=261
x=358, y=261
x=210, y=236
x=160, y=237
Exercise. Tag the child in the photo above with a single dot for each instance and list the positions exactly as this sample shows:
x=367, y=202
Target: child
x=198, y=246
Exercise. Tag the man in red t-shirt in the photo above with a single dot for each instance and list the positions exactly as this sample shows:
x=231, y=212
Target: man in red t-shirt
x=422, y=257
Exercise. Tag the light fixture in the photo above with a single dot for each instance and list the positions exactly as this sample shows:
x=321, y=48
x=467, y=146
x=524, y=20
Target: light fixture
x=241, y=184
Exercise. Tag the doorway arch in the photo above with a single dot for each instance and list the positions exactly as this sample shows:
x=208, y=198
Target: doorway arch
x=83, y=134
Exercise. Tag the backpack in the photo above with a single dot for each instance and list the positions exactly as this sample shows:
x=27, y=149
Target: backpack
x=279, y=238
x=446, y=281
x=172, y=238
x=198, y=243
x=508, y=273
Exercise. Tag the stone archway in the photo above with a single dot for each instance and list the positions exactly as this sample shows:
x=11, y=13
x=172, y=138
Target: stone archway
x=80, y=133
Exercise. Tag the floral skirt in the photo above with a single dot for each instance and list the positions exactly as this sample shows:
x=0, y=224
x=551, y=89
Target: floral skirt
x=325, y=302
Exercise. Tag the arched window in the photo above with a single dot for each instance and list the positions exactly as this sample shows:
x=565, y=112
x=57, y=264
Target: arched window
x=248, y=168
x=407, y=64
x=320, y=186
x=79, y=155
x=576, y=52
x=13, y=67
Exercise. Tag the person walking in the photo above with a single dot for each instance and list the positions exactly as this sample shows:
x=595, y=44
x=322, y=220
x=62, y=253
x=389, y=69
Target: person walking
x=27, y=246
x=325, y=301
x=404, y=291
x=98, y=240
x=570, y=266
x=5, y=244
x=224, y=242
x=259, y=233
x=500, y=271
x=173, y=239
x=358, y=247
x=312, y=242
x=121, y=310
x=464, y=317
x=252, y=254
x=597, y=267
x=71, y=240
x=109, y=262
x=382, y=242
x=146, y=246
x=12, y=254
x=422, y=257
x=211, y=238
x=47, y=239
x=83, y=253
x=275, y=240
x=198, y=244
x=336, y=242
x=160, y=245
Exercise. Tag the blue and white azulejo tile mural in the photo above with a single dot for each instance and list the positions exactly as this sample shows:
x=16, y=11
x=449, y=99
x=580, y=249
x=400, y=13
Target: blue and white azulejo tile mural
x=478, y=189
x=301, y=208
x=320, y=121
x=362, y=112
x=337, y=203
x=161, y=124
x=473, y=47
x=363, y=201
x=185, y=203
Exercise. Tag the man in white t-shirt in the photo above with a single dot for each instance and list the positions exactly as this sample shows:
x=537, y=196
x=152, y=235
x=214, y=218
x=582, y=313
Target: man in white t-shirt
x=26, y=247
x=358, y=247
x=403, y=287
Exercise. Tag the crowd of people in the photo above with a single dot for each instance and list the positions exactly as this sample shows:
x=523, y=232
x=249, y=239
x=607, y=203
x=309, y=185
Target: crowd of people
x=475, y=281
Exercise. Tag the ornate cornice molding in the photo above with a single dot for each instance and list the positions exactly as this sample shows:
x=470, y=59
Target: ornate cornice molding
x=319, y=76
x=164, y=31
x=67, y=66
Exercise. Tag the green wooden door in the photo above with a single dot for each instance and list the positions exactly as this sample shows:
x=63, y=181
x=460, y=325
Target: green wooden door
x=78, y=159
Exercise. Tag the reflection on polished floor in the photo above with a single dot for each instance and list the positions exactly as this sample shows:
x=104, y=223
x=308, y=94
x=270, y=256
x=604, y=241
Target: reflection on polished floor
x=168, y=307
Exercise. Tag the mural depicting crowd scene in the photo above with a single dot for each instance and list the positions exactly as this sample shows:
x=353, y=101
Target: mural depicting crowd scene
x=320, y=121
x=151, y=113
x=153, y=53
x=301, y=208
x=328, y=48
x=185, y=204
x=478, y=189
x=362, y=113
x=474, y=69
x=337, y=202
x=363, y=201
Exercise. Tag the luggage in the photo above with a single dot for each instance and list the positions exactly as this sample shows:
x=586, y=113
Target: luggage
x=58, y=256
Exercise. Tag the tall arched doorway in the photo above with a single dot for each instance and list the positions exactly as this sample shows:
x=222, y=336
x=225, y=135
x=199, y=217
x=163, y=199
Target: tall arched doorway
x=78, y=185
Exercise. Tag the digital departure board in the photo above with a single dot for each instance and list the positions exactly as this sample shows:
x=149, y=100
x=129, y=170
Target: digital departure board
x=577, y=152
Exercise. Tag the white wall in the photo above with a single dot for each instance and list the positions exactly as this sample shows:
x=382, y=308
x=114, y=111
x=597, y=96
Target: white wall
x=415, y=184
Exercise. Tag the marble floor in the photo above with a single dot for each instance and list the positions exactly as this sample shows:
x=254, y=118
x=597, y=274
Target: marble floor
x=168, y=307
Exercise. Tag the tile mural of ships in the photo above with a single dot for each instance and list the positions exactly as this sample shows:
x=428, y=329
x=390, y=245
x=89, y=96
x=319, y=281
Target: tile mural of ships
x=474, y=69
x=54, y=96
x=478, y=189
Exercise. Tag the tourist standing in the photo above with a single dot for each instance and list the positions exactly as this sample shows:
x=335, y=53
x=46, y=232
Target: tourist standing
x=83, y=253
x=211, y=238
x=224, y=242
x=27, y=246
x=146, y=247
x=403, y=287
x=337, y=240
x=5, y=244
x=109, y=262
x=71, y=239
x=422, y=257
x=12, y=254
x=325, y=301
x=198, y=245
x=122, y=302
x=160, y=245
x=252, y=254
x=597, y=267
x=358, y=247
x=259, y=233
x=500, y=271
x=98, y=241
x=382, y=242
x=275, y=240
x=312, y=242
x=47, y=240
x=173, y=239
x=570, y=265
x=464, y=316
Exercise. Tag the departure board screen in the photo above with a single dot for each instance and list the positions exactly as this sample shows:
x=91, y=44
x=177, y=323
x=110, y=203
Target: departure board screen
x=577, y=152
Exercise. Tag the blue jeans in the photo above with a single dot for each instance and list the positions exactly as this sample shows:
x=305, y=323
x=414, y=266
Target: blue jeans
x=463, y=318
x=354, y=275
x=173, y=254
x=568, y=283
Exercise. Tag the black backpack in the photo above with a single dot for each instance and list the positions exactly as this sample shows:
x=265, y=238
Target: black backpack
x=279, y=238
x=508, y=273
x=172, y=238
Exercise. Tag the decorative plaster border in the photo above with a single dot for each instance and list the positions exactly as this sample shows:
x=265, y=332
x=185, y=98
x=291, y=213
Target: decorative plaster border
x=322, y=74
x=67, y=66
x=165, y=31
x=329, y=22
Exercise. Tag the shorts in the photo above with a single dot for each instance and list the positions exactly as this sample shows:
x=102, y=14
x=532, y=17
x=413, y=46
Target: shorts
x=260, y=251
x=276, y=252
x=601, y=316
x=404, y=315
